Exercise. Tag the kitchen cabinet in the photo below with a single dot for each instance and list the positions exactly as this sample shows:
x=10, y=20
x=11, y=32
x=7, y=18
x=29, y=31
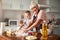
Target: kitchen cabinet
x=0, y=11
x=53, y=5
x=10, y=4
x=6, y=4
x=44, y=4
x=17, y=4
x=25, y=5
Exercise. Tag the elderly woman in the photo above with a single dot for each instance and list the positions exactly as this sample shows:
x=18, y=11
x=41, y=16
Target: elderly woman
x=38, y=17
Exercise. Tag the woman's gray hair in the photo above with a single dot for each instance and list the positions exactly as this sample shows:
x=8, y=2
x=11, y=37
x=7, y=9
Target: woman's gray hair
x=34, y=4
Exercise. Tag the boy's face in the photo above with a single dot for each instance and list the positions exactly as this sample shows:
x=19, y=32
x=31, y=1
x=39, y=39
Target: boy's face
x=28, y=15
x=21, y=25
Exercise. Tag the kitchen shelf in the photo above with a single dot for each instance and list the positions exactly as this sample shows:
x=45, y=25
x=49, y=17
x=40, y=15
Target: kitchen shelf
x=43, y=6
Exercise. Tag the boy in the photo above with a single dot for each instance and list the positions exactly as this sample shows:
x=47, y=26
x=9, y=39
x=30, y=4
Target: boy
x=21, y=25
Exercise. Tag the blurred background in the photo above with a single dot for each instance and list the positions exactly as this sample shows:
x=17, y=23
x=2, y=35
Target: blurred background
x=13, y=11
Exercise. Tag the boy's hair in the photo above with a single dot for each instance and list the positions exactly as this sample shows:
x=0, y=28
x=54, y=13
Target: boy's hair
x=28, y=12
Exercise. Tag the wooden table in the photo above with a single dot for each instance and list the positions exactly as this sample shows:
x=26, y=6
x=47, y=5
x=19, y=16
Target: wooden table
x=50, y=37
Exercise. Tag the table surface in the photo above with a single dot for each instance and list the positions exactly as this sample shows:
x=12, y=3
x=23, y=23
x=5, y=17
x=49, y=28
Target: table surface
x=50, y=37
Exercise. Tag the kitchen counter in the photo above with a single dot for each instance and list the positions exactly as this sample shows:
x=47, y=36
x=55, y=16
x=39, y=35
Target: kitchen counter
x=50, y=37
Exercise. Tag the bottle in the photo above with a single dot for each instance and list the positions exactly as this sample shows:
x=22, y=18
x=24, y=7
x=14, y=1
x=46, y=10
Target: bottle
x=44, y=31
x=2, y=28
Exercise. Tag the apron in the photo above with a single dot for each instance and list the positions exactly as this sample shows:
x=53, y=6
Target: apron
x=39, y=26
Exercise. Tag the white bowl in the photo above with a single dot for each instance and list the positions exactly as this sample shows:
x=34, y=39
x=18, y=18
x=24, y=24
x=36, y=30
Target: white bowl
x=31, y=37
x=21, y=34
x=47, y=30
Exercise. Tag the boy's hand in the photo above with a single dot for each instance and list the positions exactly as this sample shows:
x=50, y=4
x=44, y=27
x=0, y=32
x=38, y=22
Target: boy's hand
x=25, y=30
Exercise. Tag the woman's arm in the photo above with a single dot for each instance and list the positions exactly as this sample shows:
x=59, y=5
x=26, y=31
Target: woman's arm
x=38, y=21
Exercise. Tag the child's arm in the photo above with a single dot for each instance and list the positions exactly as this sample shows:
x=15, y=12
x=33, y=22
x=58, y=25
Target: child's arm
x=18, y=29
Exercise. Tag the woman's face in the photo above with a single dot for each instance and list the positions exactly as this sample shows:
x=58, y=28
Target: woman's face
x=35, y=10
